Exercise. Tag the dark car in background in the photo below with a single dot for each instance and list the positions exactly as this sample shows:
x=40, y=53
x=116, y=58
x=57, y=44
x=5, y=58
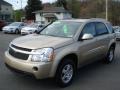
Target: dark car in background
x=117, y=32
x=2, y=24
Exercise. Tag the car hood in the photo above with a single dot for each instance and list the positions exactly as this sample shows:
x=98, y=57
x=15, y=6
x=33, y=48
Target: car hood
x=36, y=41
x=7, y=27
x=29, y=28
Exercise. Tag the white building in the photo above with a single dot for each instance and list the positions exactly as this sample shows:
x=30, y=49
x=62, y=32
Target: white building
x=6, y=10
x=50, y=14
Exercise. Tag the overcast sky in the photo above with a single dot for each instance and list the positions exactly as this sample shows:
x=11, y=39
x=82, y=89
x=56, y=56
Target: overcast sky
x=17, y=3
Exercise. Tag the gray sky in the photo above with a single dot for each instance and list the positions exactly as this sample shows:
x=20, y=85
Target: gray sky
x=17, y=3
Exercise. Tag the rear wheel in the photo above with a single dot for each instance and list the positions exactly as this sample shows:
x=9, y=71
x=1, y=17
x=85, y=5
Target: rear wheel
x=5, y=32
x=35, y=31
x=65, y=73
x=16, y=31
x=110, y=55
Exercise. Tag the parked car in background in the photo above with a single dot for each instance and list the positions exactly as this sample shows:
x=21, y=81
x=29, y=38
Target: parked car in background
x=32, y=28
x=14, y=27
x=2, y=24
x=61, y=48
x=117, y=32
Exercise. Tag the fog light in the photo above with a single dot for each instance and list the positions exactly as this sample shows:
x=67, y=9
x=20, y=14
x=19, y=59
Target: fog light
x=35, y=68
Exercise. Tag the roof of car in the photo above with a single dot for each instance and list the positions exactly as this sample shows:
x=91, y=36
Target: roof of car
x=116, y=26
x=17, y=22
x=87, y=20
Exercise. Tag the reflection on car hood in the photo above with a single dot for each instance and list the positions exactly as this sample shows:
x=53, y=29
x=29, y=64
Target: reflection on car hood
x=36, y=41
x=8, y=27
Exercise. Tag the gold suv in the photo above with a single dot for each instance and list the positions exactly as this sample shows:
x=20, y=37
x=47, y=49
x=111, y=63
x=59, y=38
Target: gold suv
x=61, y=48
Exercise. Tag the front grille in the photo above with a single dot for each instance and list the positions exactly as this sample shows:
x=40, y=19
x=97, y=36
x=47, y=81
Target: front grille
x=18, y=55
x=20, y=48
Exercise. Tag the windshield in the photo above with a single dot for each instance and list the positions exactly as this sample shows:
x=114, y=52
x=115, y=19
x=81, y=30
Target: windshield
x=33, y=25
x=65, y=29
x=15, y=24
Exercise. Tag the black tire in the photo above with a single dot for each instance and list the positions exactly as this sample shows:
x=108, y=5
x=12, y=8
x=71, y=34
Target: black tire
x=70, y=73
x=16, y=31
x=5, y=32
x=117, y=39
x=35, y=31
x=110, y=55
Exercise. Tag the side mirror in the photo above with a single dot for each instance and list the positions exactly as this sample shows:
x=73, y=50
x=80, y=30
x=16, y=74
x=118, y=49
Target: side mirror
x=87, y=37
x=40, y=26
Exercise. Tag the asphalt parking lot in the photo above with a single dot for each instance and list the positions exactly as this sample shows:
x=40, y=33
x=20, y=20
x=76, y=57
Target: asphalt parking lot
x=96, y=76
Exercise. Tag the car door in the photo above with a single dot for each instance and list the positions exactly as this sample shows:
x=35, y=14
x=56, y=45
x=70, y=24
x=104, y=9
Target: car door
x=102, y=39
x=88, y=48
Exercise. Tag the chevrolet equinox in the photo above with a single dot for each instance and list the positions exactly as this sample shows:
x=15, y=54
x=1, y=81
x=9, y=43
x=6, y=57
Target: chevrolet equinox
x=61, y=48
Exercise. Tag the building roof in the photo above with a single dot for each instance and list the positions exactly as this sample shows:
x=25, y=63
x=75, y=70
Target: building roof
x=2, y=2
x=52, y=10
x=49, y=15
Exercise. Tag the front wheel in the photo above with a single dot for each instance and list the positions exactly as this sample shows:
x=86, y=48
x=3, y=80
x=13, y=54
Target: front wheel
x=110, y=55
x=65, y=73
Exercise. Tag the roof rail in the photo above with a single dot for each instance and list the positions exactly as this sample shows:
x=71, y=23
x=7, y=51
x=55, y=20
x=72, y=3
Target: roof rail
x=97, y=18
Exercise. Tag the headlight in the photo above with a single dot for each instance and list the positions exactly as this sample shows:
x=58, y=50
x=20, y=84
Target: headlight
x=43, y=55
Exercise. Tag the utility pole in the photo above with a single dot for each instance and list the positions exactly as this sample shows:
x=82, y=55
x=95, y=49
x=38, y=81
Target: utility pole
x=106, y=9
x=21, y=4
x=21, y=10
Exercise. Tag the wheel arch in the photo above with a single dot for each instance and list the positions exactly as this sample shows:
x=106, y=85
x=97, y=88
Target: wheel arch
x=71, y=56
x=113, y=45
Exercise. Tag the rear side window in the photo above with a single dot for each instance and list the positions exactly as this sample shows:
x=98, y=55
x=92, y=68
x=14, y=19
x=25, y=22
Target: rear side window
x=101, y=29
x=89, y=29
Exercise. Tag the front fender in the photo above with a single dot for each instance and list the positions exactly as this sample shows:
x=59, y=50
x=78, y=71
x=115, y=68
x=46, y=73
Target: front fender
x=60, y=54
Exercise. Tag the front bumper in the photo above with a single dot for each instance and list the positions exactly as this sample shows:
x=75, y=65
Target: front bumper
x=40, y=70
x=8, y=31
x=26, y=32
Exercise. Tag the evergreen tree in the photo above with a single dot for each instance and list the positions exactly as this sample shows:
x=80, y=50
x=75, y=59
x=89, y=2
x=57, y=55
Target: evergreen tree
x=62, y=3
x=32, y=6
x=74, y=7
x=71, y=5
